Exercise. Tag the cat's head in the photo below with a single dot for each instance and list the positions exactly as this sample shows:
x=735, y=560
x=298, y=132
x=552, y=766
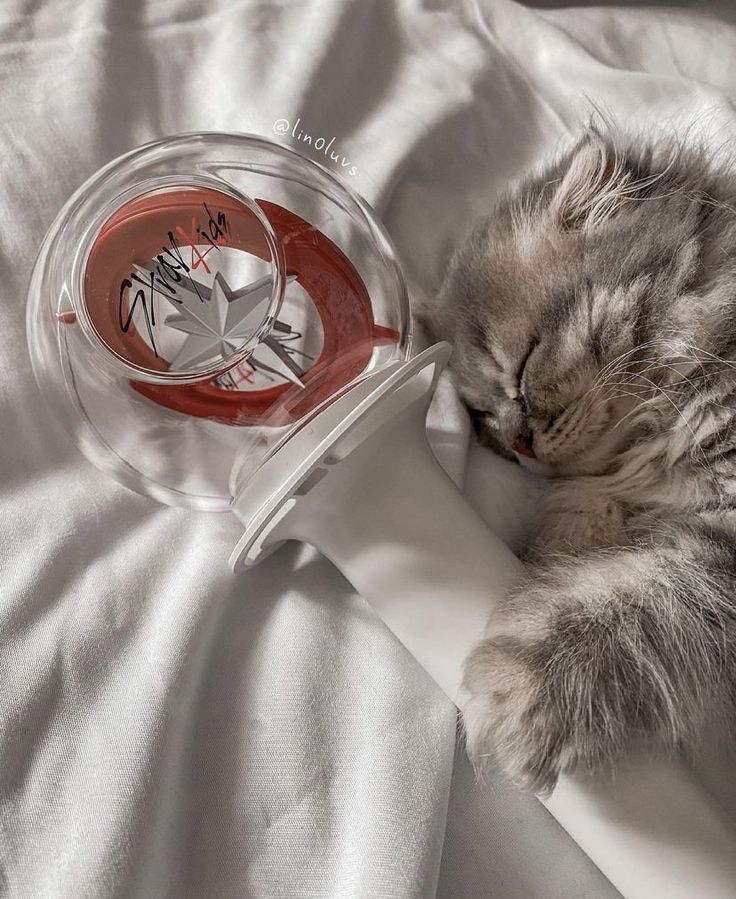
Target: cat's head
x=568, y=301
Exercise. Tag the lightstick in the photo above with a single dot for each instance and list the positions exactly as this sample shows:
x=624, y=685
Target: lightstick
x=222, y=324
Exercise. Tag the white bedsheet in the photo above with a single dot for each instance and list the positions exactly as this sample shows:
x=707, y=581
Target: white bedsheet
x=170, y=731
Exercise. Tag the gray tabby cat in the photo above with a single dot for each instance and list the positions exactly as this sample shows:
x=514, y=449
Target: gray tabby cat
x=594, y=322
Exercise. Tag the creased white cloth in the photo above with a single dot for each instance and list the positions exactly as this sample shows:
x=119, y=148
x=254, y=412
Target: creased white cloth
x=168, y=730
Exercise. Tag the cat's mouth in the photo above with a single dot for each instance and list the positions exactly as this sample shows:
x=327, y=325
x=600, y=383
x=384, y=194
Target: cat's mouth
x=536, y=466
x=487, y=437
x=524, y=446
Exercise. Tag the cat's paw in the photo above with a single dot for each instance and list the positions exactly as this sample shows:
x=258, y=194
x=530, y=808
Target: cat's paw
x=546, y=690
x=511, y=714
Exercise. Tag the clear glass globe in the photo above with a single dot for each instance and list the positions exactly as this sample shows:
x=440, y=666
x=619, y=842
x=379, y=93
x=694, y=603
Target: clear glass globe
x=199, y=299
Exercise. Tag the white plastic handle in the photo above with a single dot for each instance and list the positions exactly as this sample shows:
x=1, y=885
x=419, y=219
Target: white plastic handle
x=410, y=544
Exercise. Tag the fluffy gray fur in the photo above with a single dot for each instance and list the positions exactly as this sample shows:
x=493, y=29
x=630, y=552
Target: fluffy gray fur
x=593, y=315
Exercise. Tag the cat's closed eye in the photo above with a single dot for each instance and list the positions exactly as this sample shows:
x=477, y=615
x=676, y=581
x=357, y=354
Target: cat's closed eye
x=523, y=364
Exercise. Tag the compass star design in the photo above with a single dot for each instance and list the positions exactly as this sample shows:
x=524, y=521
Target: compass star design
x=218, y=319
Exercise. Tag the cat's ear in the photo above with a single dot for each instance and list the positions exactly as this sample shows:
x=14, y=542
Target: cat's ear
x=593, y=188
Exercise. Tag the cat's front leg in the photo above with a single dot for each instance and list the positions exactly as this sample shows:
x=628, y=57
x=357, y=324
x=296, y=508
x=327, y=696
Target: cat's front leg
x=598, y=651
x=577, y=515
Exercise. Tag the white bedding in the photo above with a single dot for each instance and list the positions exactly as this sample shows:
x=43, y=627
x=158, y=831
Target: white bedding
x=168, y=730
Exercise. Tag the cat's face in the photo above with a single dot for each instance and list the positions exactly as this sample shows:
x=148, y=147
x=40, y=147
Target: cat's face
x=551, y=305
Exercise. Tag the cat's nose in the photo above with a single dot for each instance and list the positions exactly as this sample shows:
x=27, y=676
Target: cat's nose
x=523, y=445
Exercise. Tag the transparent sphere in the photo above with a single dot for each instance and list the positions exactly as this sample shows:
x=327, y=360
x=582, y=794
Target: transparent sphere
x=199, y=299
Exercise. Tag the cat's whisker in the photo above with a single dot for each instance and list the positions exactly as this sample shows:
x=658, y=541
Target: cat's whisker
x=727, y=363
x=649, y=344
x=621, y=364
x=658, y=364
x=670, y=366
x=696, y=443
x=702, y=378
x=617, y=392
x=632, y=412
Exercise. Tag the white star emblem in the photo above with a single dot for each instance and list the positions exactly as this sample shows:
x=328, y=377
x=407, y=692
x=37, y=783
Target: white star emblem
x=218, y=320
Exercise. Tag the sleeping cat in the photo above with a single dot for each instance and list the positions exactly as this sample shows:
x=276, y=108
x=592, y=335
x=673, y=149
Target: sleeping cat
x=593, y=315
